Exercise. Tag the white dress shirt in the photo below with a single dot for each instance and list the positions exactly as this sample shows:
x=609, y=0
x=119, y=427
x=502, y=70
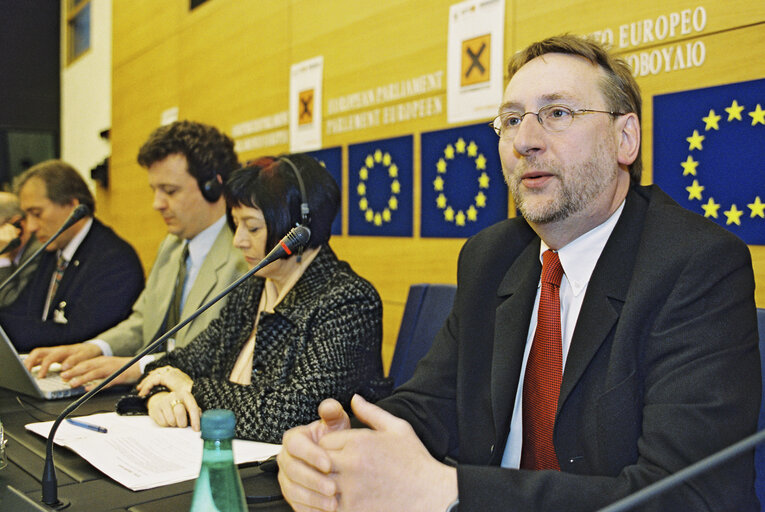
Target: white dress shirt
x=578, y=259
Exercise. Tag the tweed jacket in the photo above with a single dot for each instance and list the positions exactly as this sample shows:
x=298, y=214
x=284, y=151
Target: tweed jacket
x=323, y=340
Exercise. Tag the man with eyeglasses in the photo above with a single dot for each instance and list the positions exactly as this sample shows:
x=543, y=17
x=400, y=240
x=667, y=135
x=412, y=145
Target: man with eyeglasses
x=602, y=341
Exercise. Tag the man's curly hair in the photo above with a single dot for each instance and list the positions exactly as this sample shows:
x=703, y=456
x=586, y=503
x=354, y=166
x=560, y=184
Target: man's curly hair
x=207, y=150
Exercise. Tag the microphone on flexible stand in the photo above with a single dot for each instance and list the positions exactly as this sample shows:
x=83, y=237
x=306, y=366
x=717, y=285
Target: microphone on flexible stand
x=78, y=213
x=296, y=238
x=11, y=245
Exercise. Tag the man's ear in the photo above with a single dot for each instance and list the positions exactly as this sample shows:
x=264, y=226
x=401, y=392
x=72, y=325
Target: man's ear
x=629, y=138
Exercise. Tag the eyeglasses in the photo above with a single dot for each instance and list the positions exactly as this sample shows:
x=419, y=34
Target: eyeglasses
x=553, y=118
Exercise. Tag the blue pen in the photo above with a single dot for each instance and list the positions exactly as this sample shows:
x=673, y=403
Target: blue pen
x=89, y=426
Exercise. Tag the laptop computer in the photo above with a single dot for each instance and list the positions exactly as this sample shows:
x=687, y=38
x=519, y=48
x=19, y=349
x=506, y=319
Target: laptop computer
x=14, y=376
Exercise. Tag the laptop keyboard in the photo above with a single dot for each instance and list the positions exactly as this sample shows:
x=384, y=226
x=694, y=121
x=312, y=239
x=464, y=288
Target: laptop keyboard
x=52, y=382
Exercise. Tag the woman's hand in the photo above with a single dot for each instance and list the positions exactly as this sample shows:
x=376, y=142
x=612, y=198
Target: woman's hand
x=168, y=376
x=174, y=409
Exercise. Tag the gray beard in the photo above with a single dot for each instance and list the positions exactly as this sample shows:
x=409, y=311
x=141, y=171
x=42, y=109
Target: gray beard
x=579, y=186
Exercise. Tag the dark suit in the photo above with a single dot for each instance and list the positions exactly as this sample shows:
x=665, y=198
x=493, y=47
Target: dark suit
x=663, y=367
x=97, y=290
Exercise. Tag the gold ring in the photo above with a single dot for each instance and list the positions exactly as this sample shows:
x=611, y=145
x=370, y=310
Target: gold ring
x=175, y=402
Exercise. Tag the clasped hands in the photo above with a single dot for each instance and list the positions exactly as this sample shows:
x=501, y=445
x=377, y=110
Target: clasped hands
x=176, y=408
x=328, y=466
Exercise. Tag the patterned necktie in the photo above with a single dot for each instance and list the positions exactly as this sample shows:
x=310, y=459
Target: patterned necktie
x=174, y=311
x=57, y=275
x=544, y=371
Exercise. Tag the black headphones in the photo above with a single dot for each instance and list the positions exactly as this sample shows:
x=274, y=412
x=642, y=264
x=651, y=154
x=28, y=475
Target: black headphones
x=305, y=212
x=211, y=188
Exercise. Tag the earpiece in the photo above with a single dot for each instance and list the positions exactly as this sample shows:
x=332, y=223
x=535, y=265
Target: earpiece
x=305, y=212
x=211, y=189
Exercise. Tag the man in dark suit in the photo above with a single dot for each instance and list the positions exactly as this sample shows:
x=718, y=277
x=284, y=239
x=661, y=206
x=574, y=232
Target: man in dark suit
x=632, y=357
x=88, y=277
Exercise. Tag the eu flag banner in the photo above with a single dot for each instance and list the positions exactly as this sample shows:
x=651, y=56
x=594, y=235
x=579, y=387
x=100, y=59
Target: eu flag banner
x=332, y=160
x=709, y=154
x=463, y=190
x=380, y=187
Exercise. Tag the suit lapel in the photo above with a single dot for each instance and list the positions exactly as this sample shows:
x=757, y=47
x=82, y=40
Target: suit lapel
x=517, y=292
x=208, y=277
x=606, y=294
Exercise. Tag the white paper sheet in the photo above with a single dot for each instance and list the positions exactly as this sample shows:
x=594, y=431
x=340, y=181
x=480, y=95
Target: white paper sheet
x=138, y=453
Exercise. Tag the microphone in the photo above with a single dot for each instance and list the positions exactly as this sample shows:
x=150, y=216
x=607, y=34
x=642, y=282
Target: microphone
x=79, y=212
x=296, y=238
x=668, y=482
x=11, y=245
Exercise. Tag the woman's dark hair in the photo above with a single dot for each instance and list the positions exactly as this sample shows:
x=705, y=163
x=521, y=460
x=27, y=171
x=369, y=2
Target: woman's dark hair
x=269, y=184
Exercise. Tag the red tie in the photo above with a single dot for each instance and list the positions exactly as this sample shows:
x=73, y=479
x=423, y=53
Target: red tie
x=544, y=371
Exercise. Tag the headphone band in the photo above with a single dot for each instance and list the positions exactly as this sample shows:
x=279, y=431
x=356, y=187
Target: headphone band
x=305, y=212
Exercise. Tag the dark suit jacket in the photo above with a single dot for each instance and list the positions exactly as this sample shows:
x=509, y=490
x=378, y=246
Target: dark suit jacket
x=663, y=367
x=98, y=288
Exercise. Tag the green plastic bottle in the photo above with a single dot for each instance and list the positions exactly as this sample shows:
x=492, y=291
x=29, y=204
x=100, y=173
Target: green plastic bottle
x=218, y=487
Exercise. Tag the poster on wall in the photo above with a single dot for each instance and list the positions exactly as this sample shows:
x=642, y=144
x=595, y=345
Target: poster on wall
x=709, y=149
x=380, y=187
x=463, y=190
x=475, y=60
x=305, y=104
x=332, y=160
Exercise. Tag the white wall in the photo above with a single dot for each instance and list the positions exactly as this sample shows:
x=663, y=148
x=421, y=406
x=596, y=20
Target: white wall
x=86, y=98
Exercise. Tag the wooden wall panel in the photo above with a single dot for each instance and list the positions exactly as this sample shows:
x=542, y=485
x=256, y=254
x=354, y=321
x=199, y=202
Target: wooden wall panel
x=228, y=62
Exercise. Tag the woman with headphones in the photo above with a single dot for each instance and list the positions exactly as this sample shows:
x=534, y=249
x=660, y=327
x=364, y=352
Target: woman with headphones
x=304, y=328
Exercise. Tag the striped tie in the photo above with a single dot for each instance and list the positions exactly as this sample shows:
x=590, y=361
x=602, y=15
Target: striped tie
x=57, y=275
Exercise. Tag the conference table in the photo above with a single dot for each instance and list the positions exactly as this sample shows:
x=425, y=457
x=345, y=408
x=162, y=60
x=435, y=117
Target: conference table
x=79, y=483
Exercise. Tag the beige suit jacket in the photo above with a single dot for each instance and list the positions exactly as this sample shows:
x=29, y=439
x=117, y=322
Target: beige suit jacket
x=221, y=267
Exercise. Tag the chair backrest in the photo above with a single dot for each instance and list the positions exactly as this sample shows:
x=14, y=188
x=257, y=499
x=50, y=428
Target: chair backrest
x=427, y=307
x=759, y=457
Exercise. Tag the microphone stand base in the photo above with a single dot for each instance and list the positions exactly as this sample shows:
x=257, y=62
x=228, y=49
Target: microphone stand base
x=20, y=502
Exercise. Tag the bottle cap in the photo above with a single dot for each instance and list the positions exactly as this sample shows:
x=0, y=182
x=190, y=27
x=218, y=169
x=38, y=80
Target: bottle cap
x=218, y=424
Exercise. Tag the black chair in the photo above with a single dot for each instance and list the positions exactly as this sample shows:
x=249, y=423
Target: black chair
x=759, y=453
x=427, y=306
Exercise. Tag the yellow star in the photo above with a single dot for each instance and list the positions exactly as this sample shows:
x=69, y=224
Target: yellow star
x=369, y=161
x=441, y=166
x=689, y=166
x=758, y=115
x=480, y=200
x=441, y=201
x=449, y=152
x=480, y=163
x=386, y=159
x=363, y=174
x=472, y=213
x=460, y=218
x=395, y=187
x=438, y=183
x=369, y=215
x=711, y=121
x=757, y=207
x=694, y=191
x=472, y=149
x=710, y=208
x=694, y=141
x=378, y=156
x=734, y=215
x=393, y=171
x=449, y=214
x=483, y=180
x=460, y=145
x=386, y=215
x=363, y=204
x=734, y=111
x=378, y=219
x=361, y=189
x=393, y=203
